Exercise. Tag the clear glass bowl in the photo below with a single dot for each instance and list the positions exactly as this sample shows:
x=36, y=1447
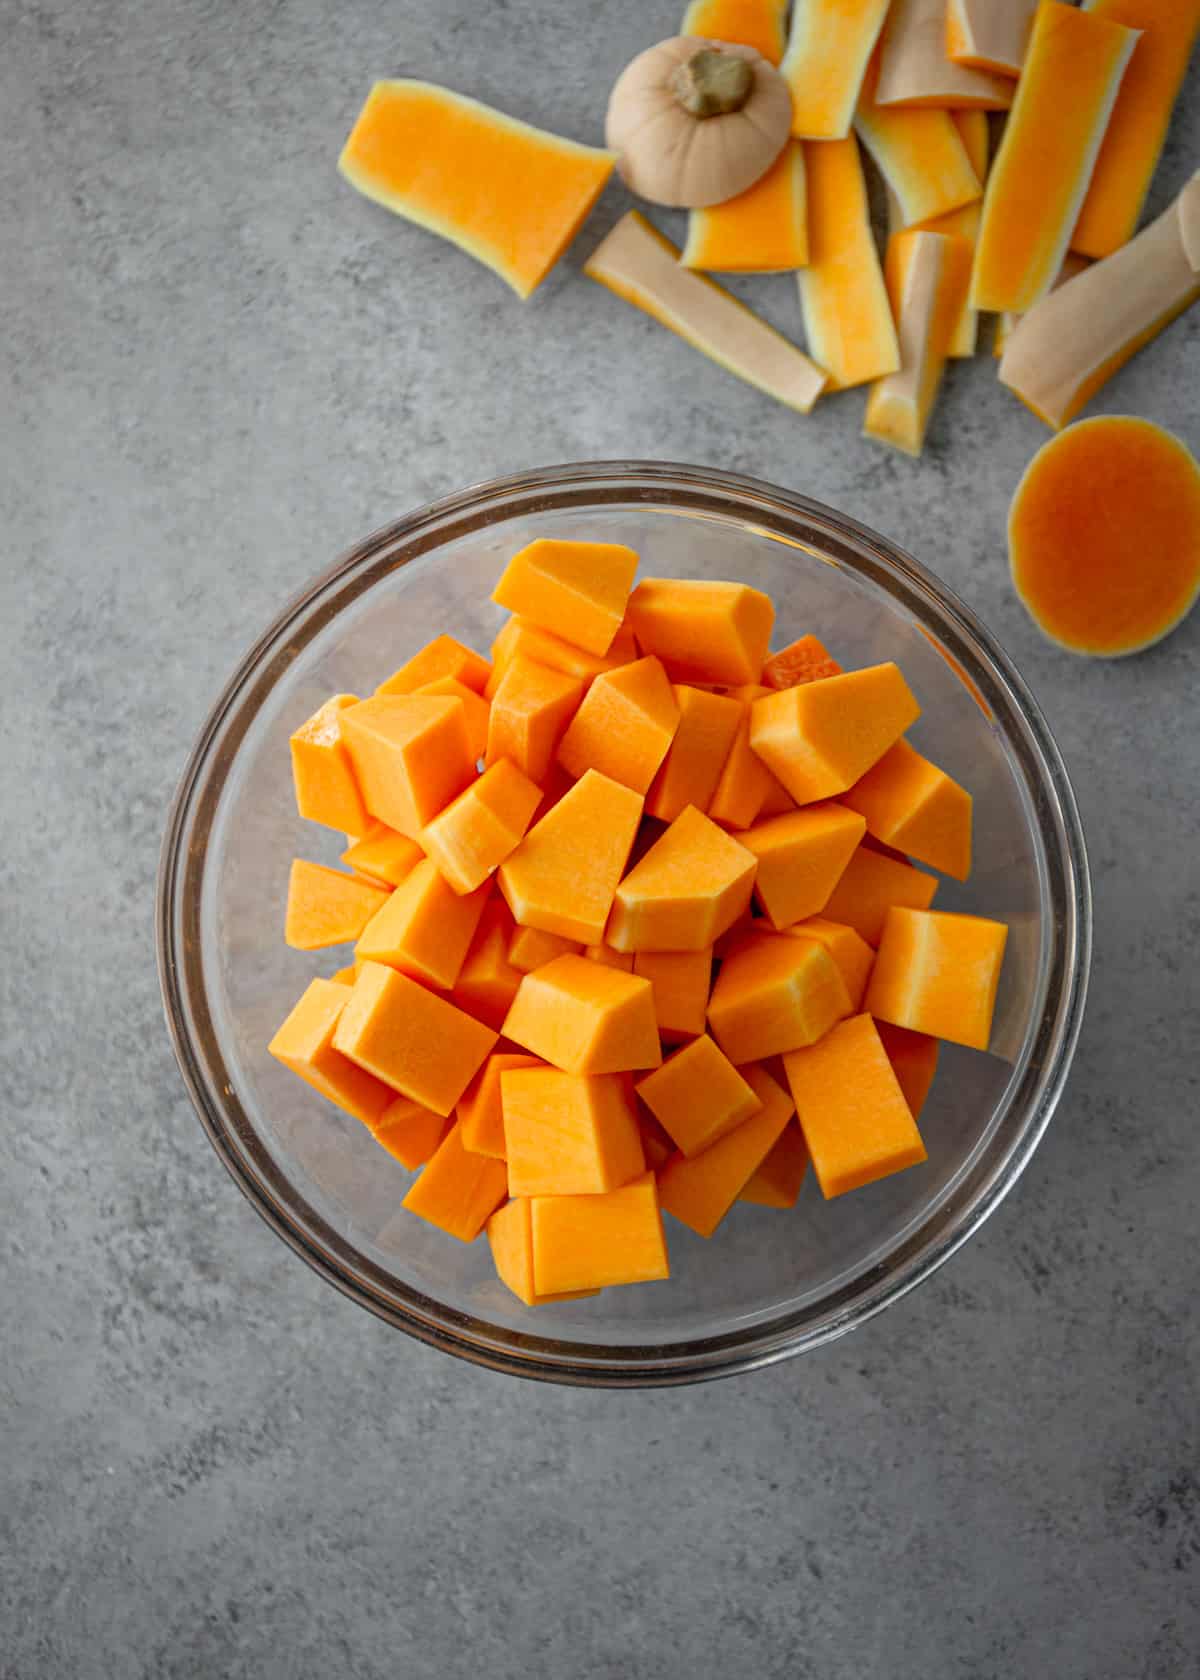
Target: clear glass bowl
x=770, y=1283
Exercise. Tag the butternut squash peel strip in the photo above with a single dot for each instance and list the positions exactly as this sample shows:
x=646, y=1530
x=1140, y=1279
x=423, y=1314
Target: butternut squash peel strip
x=1074, y=340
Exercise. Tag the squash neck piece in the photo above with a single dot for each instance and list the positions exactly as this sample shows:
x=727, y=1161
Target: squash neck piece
x=712, y=83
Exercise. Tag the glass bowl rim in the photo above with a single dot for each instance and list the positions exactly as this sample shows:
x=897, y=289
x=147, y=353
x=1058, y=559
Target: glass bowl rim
x=788, y=516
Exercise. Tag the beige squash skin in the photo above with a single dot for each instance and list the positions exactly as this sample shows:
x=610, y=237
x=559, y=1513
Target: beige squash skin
x=670, y=157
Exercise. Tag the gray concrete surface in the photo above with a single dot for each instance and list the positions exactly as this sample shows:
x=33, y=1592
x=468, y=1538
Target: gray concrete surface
x=219, y=366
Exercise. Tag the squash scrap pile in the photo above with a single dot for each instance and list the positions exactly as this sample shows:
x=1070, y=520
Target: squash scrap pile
x=634, y=918
x=757, y=126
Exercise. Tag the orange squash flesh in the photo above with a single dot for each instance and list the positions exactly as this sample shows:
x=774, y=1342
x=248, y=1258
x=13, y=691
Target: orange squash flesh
x=919, y=153
x=442, y=657
x=800, y=857
x=908, y=803
x=565, y=1135
x=304, y=1043
x=476, y=710
x=415, y=1041
x=764, y=230
x=471, y=838
x=703, y=632
x=424, y=928
x=847, y=317
x=773, y=994
x=708, y=724
x=325, y=907
x=584, y=1017
x=1104, y=535
x=1006, y=321
x=870, y=885
x=564, y=874
x=751, y=23
x=326, y=787
x=591, y=1242
x=637, y=264
x=699, y=1190
x=576, y=590
x=531, y=948
x=510, y=195
x=1137, y=129
x=990, y=35
x=1072, y=341
x=382, y=855
x=625, y=723
x=828, y=51
x=530, y=710
x=480, y=1108
x=457, y=1191
x=856, y=1123
x=777, y=1180
x=682, y=981
x=928, y=276
x=962, y=223
x=914, y=1059
x=914, y=69
x=745, y=784
x=520, y=639
x=410, y=1132
x=849, y=950
x=690, y=886
x=805, y=660
x=820, y=737
x=937, y=974
x=411, y=754
x=1067, y=90
x=697, y=1095
x=487, y=982
x=510, y=1238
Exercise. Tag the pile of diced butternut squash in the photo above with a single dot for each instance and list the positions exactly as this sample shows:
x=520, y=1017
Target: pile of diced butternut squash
x=634, y=920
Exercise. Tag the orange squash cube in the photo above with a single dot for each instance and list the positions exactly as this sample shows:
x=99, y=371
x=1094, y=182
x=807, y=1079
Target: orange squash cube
x=777, y=1180
x=471, y=838
x=304, y=1043
x=345, y=976
x=937, y=973
x=691, y=885
x=697, y=1095
x=415, y=1041
x=457, y=1191
x=565, y=1135
x=520, y=639
x=745, y=784
x=476, y=711
x=487, y=982
x=700, y=1189
x=682, y=981
x=624, y=725
x=563, y=875
x=510, y=1237
x=820, y=737
x=656, y=1145
x=325, y=907
x=856, y=1123
x=424, y=929
x=800, y=857
x=691, y=771
x=584, y=1017
x=590, y=1242
x=326, y=787
x=410, y=1132
x=775, y=994
x=480, y=1109
x=703, y=632
x=531, y=709
x=382, y=855
x=849, y=950
x=531, y=948
x=909, y=803
x=914, y=1059
x=610, y=958
x=576, y=590
x=870, y=885
x=803, y=661
x=442, y=657
x=411, y=755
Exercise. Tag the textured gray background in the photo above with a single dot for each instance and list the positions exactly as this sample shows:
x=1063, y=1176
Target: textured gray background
x=220, y=367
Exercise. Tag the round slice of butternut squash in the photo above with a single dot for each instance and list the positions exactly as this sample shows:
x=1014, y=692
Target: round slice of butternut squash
x=1104, y=535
